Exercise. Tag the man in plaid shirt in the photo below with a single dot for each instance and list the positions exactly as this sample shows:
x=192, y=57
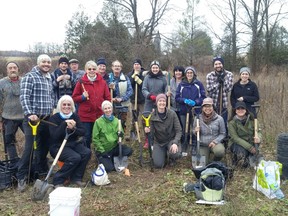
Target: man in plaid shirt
x=37, y=100
x=219, y=84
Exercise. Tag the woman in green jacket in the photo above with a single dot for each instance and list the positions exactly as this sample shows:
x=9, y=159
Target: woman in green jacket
x=243, y=139
x=105, y=138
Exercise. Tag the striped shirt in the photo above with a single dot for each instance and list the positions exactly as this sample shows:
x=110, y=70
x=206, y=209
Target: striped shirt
x=36, y=95
x=213, y=87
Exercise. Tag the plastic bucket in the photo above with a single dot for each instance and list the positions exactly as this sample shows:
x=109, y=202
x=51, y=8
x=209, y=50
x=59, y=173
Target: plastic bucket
x=65, y=201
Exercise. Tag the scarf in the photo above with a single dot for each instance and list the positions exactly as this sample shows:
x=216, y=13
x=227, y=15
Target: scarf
x=155, y=75
x=242, y=120
x=109, y=118
x=65, y=116
x=208, y=118
x=92, y=79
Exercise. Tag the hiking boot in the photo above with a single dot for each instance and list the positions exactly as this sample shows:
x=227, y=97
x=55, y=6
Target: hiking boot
x=79, y=183
x=188, y=187
x=21, y=185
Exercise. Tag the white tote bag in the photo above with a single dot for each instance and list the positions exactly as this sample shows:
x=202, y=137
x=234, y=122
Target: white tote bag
x=100, y=176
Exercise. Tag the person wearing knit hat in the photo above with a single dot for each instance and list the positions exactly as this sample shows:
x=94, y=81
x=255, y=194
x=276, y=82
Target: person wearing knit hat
x=63, y=79
x=102, y=66
x=189, y=93
x=136, y=78
x=105, y=138
x=74, y=67
x=219, y=83
x=243, y=139
x=166, y=130
x=12, y=115
x=245, y=90
x=212, y=132
x=154, y=83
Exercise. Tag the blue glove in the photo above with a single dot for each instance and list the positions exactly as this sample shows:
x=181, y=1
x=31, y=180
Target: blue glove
x=189, y=102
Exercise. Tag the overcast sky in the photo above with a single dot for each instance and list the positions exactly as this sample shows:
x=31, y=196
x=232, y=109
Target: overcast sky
x=27, y=22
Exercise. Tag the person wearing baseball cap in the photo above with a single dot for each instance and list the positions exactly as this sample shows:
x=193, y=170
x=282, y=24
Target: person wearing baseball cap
x=245, y=90
x=74, y=67
x=242, y=140
x=166, y=133
x=212, y=132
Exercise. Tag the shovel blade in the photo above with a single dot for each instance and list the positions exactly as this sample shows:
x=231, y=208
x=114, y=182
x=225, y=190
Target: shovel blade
x=39, y=191
x=198, y=161
x=120, y=163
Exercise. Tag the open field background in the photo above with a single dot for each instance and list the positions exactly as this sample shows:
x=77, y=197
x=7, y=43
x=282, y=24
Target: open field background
x=160, y=192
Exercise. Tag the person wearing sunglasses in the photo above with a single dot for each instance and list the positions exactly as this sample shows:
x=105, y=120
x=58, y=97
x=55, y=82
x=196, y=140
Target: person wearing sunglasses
x=89, y=93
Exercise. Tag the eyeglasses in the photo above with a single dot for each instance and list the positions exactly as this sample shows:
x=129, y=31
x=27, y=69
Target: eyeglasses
x=117, y=66
x=66, y=104
x=90, y=69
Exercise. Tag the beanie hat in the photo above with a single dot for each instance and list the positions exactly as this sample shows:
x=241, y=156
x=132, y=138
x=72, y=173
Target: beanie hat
x=243, y=69
x=240, y=104
x=207, y=101
x=159, y=96
x=218, y=58
x=73, y=61
x=104, y=103
x=101, y=61
x=190, y=68
x=12, y=62
x=155, y=62
x=137, y=61
x=63, y=59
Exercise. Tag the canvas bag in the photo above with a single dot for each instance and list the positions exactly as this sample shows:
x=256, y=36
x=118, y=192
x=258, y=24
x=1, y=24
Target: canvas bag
x=100, y=176
x=267, y=179
x=211, y=185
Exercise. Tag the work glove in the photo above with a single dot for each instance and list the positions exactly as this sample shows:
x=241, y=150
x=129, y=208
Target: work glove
x=221, y=78
x=152, y=97
x=138, y=80
x=135, y=74
x=189, y=102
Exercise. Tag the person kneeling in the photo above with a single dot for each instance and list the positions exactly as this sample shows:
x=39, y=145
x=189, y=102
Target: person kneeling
x=75, y=155
x=105, y=138
x=165, y=132
x=212, y=131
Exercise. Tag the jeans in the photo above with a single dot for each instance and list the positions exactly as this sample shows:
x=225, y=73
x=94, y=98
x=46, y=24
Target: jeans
x=10, y=129
x=42, y=140
x=88, y=133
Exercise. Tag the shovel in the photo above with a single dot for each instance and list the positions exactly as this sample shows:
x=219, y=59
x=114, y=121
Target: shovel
x=43, y=188
x=198, y=160
x=120, y=162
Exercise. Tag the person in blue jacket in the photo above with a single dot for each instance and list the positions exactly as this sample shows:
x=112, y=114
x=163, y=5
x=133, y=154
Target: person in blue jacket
x=190, y=92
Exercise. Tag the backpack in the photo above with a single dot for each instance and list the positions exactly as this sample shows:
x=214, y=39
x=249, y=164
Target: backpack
x=211, y=185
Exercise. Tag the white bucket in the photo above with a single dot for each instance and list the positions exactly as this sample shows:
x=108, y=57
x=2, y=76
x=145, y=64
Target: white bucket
x=65, y=201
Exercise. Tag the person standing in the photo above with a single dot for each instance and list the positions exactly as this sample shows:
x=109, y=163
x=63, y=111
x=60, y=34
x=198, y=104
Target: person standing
x=154, y=83
x=136, y=78
x=74, y=155
x=178, y=74
x=190, y=92
x=245, y=90
x=165, y=132
x=219, y=84
x=74, y=67
x=63, y=79
x=122, y=91
x=11, y=113
x=37, y=99
x=89, y=93
x=101, y=66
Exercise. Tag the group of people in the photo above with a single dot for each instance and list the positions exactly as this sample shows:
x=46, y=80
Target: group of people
x=84, y=104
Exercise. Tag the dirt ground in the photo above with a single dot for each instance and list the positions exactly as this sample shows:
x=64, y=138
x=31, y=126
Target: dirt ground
x=153, y=193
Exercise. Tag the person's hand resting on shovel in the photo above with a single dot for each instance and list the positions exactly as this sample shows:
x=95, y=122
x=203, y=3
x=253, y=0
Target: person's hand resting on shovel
x=174, y=148
x=71, y=124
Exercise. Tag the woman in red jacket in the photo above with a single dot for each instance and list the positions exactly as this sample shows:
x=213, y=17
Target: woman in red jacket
x=89, y=93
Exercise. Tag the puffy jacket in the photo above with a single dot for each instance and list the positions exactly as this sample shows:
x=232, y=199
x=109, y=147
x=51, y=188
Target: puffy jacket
x=193, y=90
x=90, y=110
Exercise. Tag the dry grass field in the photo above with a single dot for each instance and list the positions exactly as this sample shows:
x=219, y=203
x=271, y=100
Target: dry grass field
x=160, y=192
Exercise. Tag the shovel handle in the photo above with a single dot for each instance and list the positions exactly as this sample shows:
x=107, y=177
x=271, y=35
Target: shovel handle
x=34, y=127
